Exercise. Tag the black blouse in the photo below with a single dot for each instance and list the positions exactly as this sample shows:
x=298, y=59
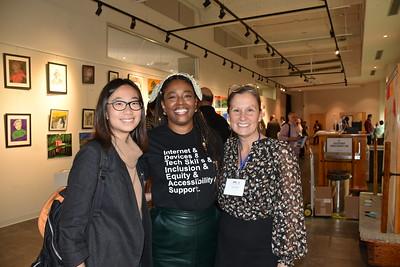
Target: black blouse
x=272, y=189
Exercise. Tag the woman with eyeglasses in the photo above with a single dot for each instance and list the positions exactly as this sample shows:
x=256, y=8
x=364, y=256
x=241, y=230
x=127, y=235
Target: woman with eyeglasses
x=182, y=159
x=117, y=233
x=259, y=193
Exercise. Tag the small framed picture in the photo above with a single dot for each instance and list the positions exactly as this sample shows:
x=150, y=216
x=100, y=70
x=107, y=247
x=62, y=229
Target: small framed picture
x=59, y=145
x=58, y=120
x=136, y=80
x=87, y=74
x=112, y=75
x=84, y=138
x=56, y=78
x=18, y=129
x=87, y=118
x=17, y=71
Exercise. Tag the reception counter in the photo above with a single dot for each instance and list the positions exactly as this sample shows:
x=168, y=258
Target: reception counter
x=340, y=151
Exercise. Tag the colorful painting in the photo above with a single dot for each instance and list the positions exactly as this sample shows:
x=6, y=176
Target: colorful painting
x=17, y=71
x=58, y=120
x=151, y=83
x=59, y=145
x=85, y=137
x=18, y=130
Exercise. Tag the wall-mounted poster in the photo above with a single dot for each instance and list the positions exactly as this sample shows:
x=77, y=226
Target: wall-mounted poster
x=150, y=84
x=58, y=120
x=17, y=71
x=59, y=145
x=85, y=137
x=56, y=78
x=137, y=80
x=88, y=74
x=18, y=129
x=87, y=118
x=112, y=75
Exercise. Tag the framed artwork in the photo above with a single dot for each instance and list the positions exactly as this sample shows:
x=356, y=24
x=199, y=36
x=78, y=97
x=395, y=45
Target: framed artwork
x=58, y=120
x=87, y=118
x=56, y=78
x=112, y=75
x=17, y=71
x=85, y=137
x=18, y=129
x=59, y=145
x=87, y=74
x=136, y=80
x=151, y=83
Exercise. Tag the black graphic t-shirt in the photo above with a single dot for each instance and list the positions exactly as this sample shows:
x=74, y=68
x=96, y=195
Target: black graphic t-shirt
x=183, y=175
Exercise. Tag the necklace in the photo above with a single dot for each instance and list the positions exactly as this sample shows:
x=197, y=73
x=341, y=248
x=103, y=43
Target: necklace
x=243, y=162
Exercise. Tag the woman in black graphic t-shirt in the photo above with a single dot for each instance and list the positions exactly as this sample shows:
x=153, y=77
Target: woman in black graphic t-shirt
x=182, y=159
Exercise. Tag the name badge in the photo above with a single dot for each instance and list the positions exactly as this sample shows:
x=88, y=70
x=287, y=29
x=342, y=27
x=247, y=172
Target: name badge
x=234, y=187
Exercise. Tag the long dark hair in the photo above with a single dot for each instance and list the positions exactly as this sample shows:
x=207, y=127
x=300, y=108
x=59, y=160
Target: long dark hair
x=103, y=132
x=208, y=140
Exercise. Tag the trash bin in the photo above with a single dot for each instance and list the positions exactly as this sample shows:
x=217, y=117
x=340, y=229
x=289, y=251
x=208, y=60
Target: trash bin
x=340, y=182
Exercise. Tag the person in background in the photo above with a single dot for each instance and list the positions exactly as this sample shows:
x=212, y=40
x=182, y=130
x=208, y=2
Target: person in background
x=120, y=234
x=304, y=134
x=379, y=132
x=150, y=116
x=183, y=159
x=273, y=127
x=214, y=120
x=317, y=127
x=259, y=193
x=290, y=132
x=345, y=123
x=369, y=128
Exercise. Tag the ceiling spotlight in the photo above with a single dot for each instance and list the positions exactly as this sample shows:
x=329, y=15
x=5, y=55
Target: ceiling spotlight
x=337, y=52
x=292, y=68
x=385, y=36
x=375, y=67
x=252, y=75
x=133, y=23
x=289, y=66
x=282, y=61
x=257, y=40
x=167, y=38
x=259, y=77
x=205, y=53
x=305, y=79
x=231, y=65
x=273, y=53
x=267, y=80
x=240, y=68
x=186, y=45
x=342, y=70
x=221, y=13
x=345, y=82
x=268, y=49
x=262, y=78
x=99, y=10
x=206, y=3
x=332, y=33
x=224, y=63
x=247, y=32
x=301, y=75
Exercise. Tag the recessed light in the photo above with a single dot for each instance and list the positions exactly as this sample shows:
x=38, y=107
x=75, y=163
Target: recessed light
x=385, y=36
x=375, y=67
x=123, y=57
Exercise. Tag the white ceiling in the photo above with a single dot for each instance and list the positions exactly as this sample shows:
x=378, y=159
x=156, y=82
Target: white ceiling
x=301, y=37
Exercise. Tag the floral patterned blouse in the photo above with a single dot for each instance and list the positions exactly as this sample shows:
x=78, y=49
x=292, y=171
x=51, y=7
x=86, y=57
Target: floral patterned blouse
x=272, y=189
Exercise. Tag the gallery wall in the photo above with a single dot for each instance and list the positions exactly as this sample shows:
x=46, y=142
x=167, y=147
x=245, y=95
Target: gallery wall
x=66, y=32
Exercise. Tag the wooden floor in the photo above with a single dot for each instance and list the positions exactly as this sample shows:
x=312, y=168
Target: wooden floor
x=332, y=243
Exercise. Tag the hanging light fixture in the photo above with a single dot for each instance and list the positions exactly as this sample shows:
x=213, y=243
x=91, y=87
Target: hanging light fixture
x=240, y=68
x=231, y=65
x=224, y=62
x=167, y=38
x=186, y=45
x=133, y=23
x=252, y=75
x=273, y=52
x=221, y=13
x=206, y=3
x=205, y=53
x=247, y=32
x=257, y=40
x=268, y=49
x=99, y=9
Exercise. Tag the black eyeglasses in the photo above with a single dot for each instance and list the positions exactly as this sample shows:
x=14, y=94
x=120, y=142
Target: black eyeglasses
x=121, y=105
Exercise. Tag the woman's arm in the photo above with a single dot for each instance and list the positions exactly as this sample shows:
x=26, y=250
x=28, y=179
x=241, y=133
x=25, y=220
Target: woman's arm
x=288, y=233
